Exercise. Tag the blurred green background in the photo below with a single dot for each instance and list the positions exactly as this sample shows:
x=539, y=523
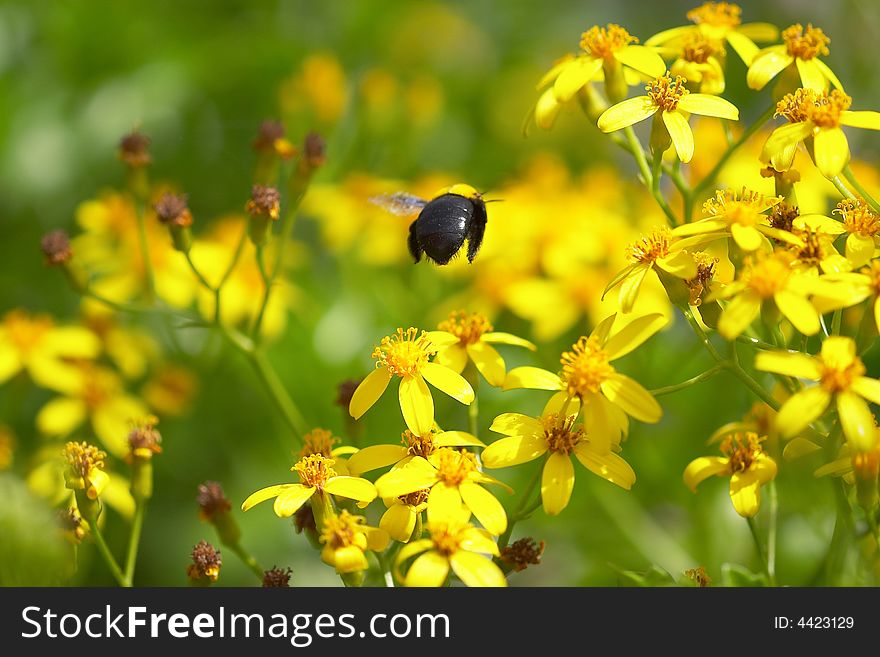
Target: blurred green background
x=198, y=77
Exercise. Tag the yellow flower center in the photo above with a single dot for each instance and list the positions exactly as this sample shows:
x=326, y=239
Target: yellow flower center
x=839, y=376
x=698, y=48
x=467, y=328
x=743, y=449
x=26, y=331
x=315, y=470
x=560, y=434
x=858, y=217
x=343, y=530
x=705, y=273
x=419, y=445
x=665, y=92
x=82, y=458
x=651, y=247
x=403, y=353
x=415, y=499
x=585, y=367
x=805, y=43
x=794, y=106
x=717, y=14
x=814, y=249
x=783, y=216
x=453, y=467
x=318, y=441
x=446, y=539
x=769, y=275
x=822, y=109
x=743, y=207
x=605, y=41
x=99, y=385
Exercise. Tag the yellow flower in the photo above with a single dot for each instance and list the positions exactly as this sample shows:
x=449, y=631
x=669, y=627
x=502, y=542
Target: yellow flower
x=454, y=478
x=608, y=52
x=742, y=215
x=475, y=339
x=400, y=518
x=102, y=399
x=855, y=287
x=85, y=469
x=841, y=377
x=33, y=343
x=406, y=355
x=659, y=248
x=800, y=50
x=345, y=538
x=529, y=438
x=720, y=21
x=747, y=465
x=859, y=220
x=321, y=441
x=587, y=374
x=674, y=103
x=316, y=475
x=816, y=116
x=818, y=253
x=412, y=445
x=699, y=61
x=454, y=544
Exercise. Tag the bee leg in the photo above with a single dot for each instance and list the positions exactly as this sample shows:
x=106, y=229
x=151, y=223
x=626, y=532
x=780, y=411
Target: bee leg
x=476, y=230
x=412, y=242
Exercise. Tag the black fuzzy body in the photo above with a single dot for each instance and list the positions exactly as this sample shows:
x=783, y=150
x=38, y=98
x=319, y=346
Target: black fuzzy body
x=444, y=224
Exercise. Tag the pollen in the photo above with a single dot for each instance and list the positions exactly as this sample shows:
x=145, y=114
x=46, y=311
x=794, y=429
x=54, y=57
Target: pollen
x=651, y=247
x=585, y=367
x=560, y=434
x=418, y=445
x=453, y=467
x=769, y=275
x=415, y=499
x=445, y=539
x=318, y=441
x=717, y=14
x=814, y=250
x=315, y=470
x=405, y=352
x=743, y=207
x=344, y=530
x=743, y=449
x=840, y=374
x=805, y=43
x=467, y=328
x=794, y=106
x=605, y=41
x=698, y=48
x=665, y=92
x=858, y=217
x=82, y=458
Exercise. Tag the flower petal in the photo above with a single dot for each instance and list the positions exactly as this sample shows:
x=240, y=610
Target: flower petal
x=609, y=466
x=800, y=312
x=707, y=105
x=354, y=488
x=630, y=286
x=399, y=521
x=489, y=362
x=474, y=539
x=515, y=424
x=642, y=59
x=766, y=65
x=457, y=439
x=680, y=133
x=374, y=457
x=828, y=73
x=799, y=366
x=499, y=337
x=859, y=249
x=416, y=404
x=415, y=475
x=532, y=377
x=601, y=423
x=454, y=357
x=574, y=76
x=474, y=570
x=61, y=416
x=860, y=119
x=801, y=409
x=430, y=569
x=485, y=507
x=702, y=468
x=867, y=388
x=811, y=75
x=546, y=110
x=444, y=503
x=831, y=150
x=290, y=499
x=739, y=314
x=449, y=382
x=746, y=237
x=264, y=494
x=679, y=263
x=633, y=335
x=856, y=420
x=557, y=482
x=626, y=113
x=745, y=493
x=368, y=392
x=632, y=398
x=743, y=46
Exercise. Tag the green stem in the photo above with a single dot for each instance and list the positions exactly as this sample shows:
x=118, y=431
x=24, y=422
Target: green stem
x=702, y=376
x=762, y=553
x=134, y=540
x=248, y=560
x=269, y=280
x=198, y=274
x=473, y=377
x=772, y=530
x=108, y=556
x=520, y=512
x=278, y=392
x=656, y=192
x=843, y=189
x=145, y=252
x=864, y=193
x=836, y=319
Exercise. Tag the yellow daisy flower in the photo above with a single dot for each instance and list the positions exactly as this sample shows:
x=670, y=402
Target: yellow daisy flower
x=316, y=475
x=322, y=441
x=405, y=355
x=608, y=52
x=859, y=468
x=740, y=214
x=34, y=343
x=862, y=224
x=475, y=339
x=659, y=248
x=800, y=50
x=529, y=438
x=454, y=478
x=85, y=469
x=699, y=60
x=817, y=117
x=607, y=395
x=747, y=465
x=818, y=253
x=400, y=518
x=412, y=445
x=841, y=377
x=454, y=544
x=102, y=400
x=674, y=103
x=720, y=21
x=346, y=537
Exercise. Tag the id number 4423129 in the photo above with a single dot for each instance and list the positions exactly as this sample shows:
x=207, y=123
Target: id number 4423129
x=814, y=623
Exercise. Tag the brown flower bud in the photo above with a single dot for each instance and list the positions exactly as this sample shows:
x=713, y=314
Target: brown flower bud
x=523, y=553
x=56, y=247
x=172, y=209
x=345, y=391
x=206, y=562
x=277, y=578
x=145, y=440
x=265, y=201
x=270, y=132
x=212, y=500
x=134, y=149
x=314, y=150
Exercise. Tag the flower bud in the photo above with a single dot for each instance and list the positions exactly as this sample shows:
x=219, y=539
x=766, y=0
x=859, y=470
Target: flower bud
x=215, y=508
x=277, y=578
x=172, y=210
x=144, y=441
x=264, y=207
x=205, y=567
x=521, y=554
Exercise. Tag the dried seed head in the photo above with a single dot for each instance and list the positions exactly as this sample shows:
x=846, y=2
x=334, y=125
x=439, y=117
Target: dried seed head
x=523, y=553
x=277, y=578
x=206, y=563
x=212, y=500
x=56, y=247
x=314, y=150
x=172, y=209
x=134, y=149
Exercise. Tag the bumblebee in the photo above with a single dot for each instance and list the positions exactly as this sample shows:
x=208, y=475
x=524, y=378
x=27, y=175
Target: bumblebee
x=455, y=214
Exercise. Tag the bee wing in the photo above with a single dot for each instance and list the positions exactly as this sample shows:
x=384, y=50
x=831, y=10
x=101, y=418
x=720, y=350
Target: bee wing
x=399, y=203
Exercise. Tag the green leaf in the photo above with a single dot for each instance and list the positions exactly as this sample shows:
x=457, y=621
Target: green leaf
x=654, y=576
x=733, y=574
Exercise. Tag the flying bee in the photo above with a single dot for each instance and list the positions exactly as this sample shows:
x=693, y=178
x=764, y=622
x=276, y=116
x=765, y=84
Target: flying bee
x=455, y=214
